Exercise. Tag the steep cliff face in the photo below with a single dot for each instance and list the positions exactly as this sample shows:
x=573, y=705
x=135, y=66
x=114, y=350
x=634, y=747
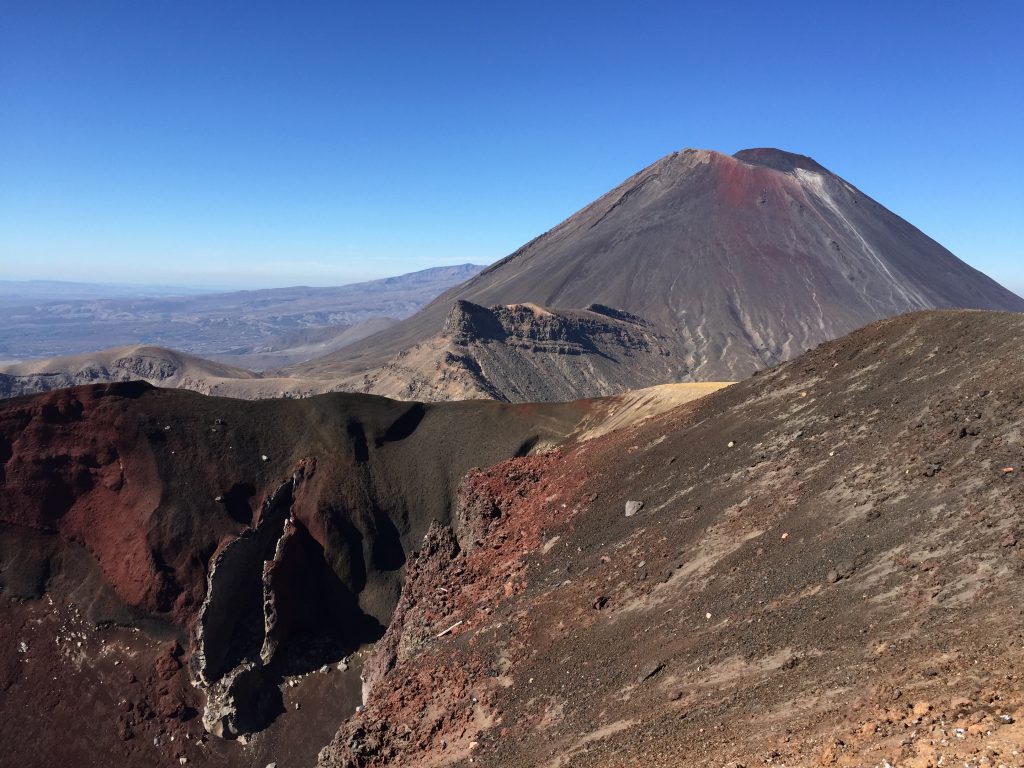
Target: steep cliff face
x=740, y=261
x=526, y=353
x=266, y=540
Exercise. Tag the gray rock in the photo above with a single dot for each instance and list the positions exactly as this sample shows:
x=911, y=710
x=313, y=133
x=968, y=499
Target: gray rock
x=632, y=507
x=651, y=671
x=237, y=703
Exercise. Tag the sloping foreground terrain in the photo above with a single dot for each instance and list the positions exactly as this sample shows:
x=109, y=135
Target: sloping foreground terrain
x=826, y=569
x=740, y=261
x=818, y=566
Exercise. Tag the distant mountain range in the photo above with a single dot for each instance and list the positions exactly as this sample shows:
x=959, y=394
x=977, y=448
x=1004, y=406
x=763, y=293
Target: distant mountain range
x=256, y=329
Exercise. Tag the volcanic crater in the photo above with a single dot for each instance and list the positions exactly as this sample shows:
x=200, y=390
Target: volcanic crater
x=819, y=565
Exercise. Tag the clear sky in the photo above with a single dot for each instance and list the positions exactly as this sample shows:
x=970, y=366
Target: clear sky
x=236, y=144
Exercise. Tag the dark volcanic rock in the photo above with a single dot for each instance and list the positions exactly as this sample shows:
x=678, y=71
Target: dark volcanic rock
x=268, y=537
x=811, y=601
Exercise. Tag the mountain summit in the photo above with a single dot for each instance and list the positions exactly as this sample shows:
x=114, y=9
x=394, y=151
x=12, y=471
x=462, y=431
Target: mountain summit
x=742, y=261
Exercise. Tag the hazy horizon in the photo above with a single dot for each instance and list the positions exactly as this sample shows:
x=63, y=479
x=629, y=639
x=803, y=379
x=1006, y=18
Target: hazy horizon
x=124, y=289
x=167, y=289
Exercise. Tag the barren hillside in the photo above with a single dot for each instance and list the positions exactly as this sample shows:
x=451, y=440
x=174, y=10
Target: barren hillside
x=820, y=565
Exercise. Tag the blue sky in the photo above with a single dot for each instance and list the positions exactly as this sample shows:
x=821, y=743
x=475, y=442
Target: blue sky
x=255, y=144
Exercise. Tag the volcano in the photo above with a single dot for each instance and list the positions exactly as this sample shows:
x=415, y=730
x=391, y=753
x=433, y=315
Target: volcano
x=740, y=262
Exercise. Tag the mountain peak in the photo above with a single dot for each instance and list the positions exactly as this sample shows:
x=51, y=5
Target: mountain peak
x=779, y=159
x=741, y=261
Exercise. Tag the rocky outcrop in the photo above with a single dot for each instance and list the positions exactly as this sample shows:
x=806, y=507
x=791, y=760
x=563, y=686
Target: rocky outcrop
x=277, y=612
x=523, y=353
x=230, y=618
x=240, y=702
x=416, y=698
x=538, y=329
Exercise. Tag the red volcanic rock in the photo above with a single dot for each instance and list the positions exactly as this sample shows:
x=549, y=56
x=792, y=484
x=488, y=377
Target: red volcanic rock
x=70, y=452
x=236, y=527
x=802, y=584
x=458, y=580
x=168, y=662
